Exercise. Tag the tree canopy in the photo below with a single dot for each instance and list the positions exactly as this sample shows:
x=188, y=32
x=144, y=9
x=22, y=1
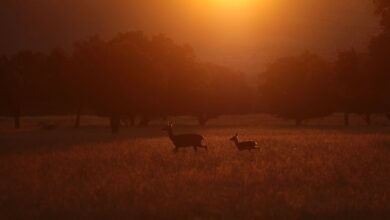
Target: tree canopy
x=130, y=75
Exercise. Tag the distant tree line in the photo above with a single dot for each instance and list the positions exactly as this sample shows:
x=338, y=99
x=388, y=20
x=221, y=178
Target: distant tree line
x=129, y=77
x=307, y=86
x=135, y=78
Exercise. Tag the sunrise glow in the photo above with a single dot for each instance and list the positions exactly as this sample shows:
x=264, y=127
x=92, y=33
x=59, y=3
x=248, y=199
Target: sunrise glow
x=234, y=3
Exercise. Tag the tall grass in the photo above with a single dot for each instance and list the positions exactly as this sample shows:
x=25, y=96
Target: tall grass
x=304, y=173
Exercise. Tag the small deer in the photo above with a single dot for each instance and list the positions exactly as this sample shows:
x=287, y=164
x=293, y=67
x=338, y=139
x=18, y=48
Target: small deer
x=185, y=140
x=246, y=145
x=47, y=125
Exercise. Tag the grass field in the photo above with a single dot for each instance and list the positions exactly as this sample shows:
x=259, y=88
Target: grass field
x=319, y=171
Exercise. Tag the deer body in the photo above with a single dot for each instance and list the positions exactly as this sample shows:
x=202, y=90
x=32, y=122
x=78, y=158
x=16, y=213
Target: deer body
x=47, y=126
x=246, y=145
x=185, y=140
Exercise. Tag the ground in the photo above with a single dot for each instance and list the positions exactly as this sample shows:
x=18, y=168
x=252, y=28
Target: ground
x=321, y=170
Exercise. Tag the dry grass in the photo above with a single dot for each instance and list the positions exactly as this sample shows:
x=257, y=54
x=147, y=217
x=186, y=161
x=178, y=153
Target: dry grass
x=312, y=172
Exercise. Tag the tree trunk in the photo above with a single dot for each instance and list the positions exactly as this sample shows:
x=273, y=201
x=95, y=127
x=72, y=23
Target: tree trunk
x=115, y=122
x=368, y=118
x=17, y=121
x=17, y=118
x=298, y=122
x=78, y=117
x=346, y=119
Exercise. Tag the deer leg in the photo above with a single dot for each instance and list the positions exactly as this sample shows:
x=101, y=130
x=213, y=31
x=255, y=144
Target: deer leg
x=195, y=148
x=203, y=146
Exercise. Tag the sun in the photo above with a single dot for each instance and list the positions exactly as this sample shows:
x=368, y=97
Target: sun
x=234, y=4
x=231, y=21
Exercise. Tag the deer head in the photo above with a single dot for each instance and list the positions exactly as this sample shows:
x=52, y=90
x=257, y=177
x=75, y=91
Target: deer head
x=234, y=138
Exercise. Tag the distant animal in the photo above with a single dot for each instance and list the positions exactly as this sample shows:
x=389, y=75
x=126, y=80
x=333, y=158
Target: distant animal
x=47, y=126
x=246, y=145
x=185, y=140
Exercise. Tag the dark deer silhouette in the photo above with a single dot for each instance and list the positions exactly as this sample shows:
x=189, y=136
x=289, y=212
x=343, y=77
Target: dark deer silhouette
x=246, y=145
x=47, y=125
x=185, y=140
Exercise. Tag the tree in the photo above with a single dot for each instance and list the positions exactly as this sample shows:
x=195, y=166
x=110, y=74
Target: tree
x=180, y=76
x=132, y=75
x=298, y=88
x=379, y=51
x=84, y=65
x=383, y=10
x=24, y=86
x=10, y=91
x=360, y=89
x=346, y=69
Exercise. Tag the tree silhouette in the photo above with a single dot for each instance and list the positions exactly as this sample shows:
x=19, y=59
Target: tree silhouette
x=383, y=10
x=10, y=82
x=298, y=88
x=359, y=88
x=348, y=83
x=134, y=75
x=379, y=53
x=25, y=87
x=86, y=65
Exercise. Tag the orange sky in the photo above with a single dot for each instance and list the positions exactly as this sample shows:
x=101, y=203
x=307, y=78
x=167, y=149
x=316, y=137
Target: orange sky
x=244, y=34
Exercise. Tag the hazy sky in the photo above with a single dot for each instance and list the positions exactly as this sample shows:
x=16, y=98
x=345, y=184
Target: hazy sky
x=243, y=34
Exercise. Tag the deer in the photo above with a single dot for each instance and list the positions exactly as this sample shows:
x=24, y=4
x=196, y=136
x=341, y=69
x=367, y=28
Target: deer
x=185, y=140
x=47, y=125
x=246, y=145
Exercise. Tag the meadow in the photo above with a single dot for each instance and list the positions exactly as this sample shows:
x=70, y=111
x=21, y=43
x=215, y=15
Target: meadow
x=321, y=170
